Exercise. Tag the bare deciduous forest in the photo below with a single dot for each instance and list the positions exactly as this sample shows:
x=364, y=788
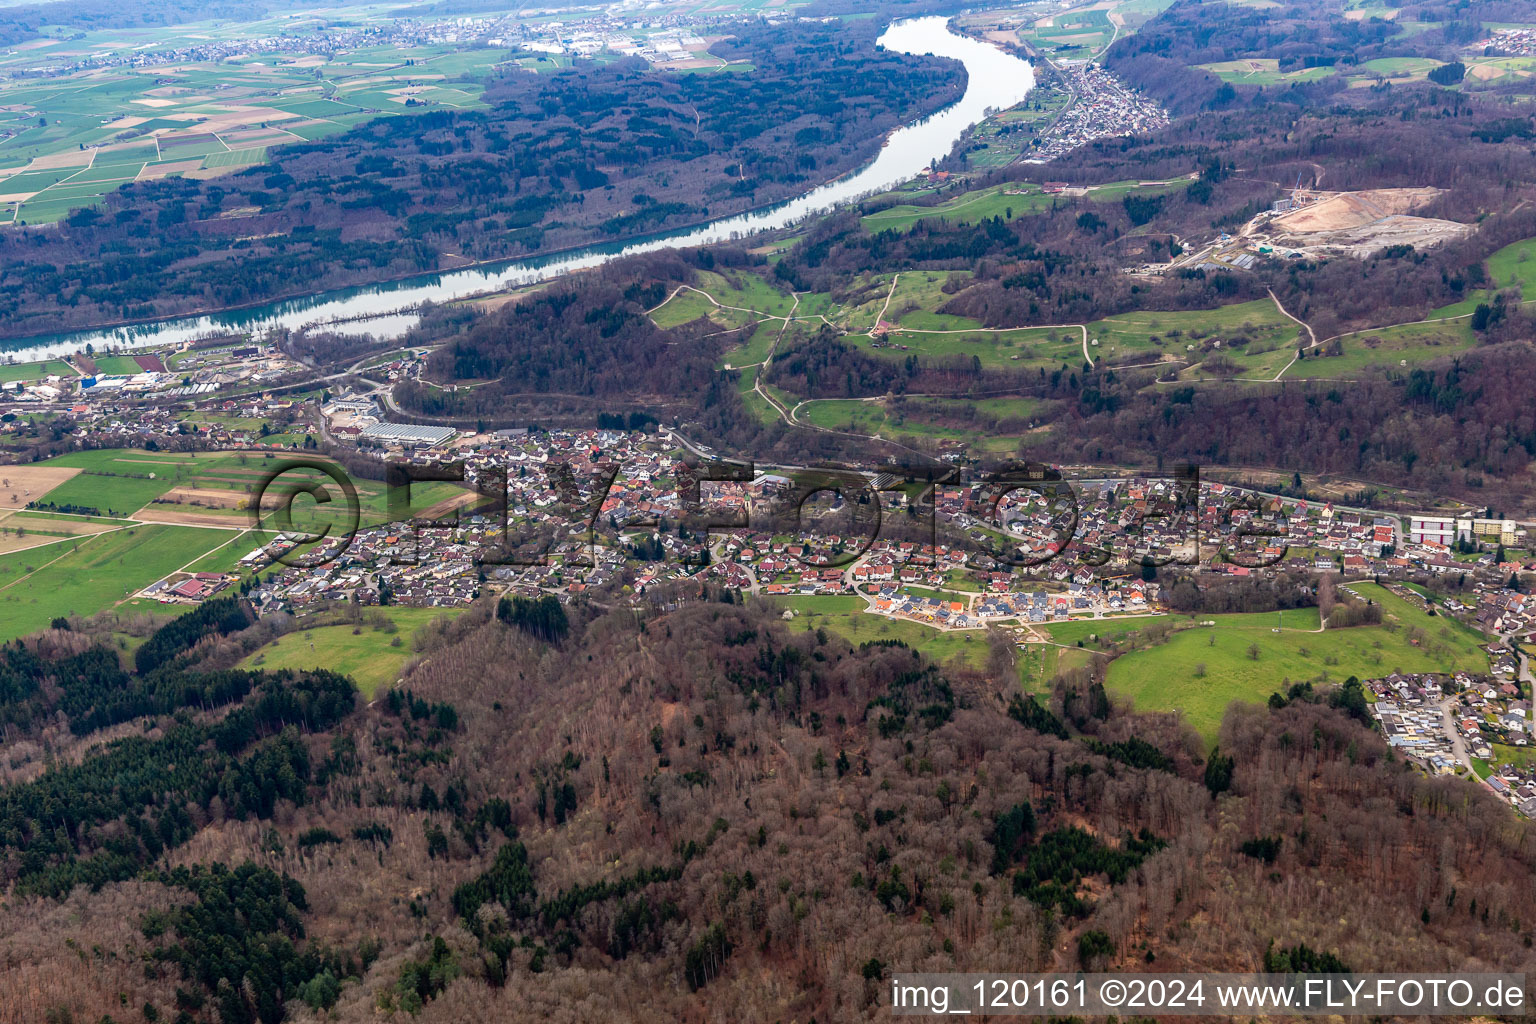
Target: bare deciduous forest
x=707, y=811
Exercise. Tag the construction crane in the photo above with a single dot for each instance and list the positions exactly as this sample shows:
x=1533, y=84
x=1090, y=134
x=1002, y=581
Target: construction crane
x=1297, y=196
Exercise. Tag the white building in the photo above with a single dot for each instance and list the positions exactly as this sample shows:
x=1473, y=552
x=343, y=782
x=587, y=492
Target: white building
x=1432, y=530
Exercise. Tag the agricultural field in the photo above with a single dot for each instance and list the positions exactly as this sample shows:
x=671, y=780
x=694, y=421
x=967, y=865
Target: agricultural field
x=1402, y=68
x=1072, y=35
x=189, y=512
x=1500, y=69
x=366, y=652
x=21, y=530
x=69, y=139
x=91, y=574
x=212, y=488
x=226, y=556
x=1200, y=670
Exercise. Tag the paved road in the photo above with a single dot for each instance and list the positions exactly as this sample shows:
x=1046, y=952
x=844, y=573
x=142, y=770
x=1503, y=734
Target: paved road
x=1458, y=747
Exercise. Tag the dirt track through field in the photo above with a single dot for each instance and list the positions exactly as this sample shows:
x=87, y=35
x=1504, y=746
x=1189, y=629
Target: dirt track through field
x=180, y=516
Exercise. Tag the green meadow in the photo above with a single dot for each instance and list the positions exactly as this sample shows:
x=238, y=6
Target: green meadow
x=92, y=574
x=365, y=652
x=1015, y=199
x=120, y=482
x=843, y=615
x=914, y=416
x=34, y=371
x=1199, y=670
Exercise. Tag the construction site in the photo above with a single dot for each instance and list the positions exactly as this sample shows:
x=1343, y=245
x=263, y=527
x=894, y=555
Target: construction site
x=1313, y=224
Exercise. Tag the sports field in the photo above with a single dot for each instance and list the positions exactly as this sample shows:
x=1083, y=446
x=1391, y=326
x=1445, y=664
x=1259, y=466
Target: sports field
x=34, y=371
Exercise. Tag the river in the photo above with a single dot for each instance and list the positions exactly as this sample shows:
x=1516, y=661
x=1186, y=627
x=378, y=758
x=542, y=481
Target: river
x=996, y=81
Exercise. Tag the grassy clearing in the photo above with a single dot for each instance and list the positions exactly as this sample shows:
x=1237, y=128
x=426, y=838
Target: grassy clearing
x=1514, y=266
x=1015, y=199
x=1520, y=757
x=759, y=340
x=841, y=614
x=1007, y=201
x=913, y=304
x=682, y=308
x=366, y=653
x=747, y=291
x=1253, y=336
x=1168, y=676
x=1047, y=348
x=748, y=297
x=1092, y=633
x=1407, y=345
x=916, y=416
x=1262, y=71
x=759, y=406
x=1039, y=664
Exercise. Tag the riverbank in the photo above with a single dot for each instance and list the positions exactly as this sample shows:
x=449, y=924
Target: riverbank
x=994, y=80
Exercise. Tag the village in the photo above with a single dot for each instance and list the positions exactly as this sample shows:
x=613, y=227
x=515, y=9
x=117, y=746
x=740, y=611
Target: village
x=1019, y=560
x=1104, y=108
x=1444, y=723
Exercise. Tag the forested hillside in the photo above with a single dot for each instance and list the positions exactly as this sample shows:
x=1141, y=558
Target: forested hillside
x=644, y=817
x=596, y=153
x=1453, y=425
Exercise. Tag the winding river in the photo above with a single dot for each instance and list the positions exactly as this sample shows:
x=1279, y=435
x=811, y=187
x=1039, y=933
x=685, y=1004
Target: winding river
x=996, y=80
